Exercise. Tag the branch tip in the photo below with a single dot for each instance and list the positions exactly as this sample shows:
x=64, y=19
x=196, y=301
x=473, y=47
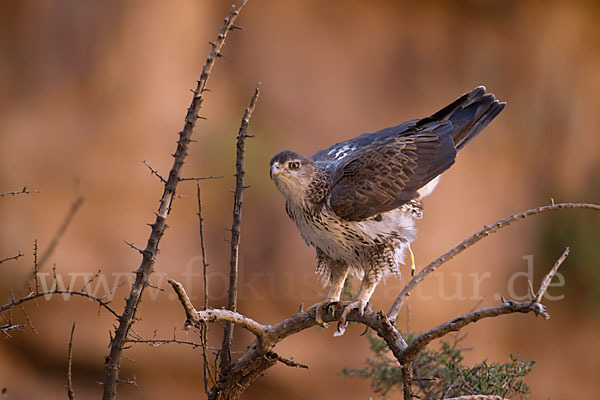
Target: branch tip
x=470, y=241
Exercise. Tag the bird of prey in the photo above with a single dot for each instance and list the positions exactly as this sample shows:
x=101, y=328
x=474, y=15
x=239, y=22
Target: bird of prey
x=356, y=202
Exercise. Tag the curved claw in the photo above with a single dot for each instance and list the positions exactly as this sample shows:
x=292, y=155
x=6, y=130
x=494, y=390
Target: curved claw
x=323, y=308
x=359, y=305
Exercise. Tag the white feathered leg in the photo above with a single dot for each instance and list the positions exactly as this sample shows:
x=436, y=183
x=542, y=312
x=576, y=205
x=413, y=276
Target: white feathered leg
x=367, y=287
x=337, y=279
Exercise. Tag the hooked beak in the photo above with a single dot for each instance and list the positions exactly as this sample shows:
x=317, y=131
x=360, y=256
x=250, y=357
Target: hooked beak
x=274, y=169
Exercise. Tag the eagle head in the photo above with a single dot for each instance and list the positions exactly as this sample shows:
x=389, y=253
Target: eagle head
x=292, y=174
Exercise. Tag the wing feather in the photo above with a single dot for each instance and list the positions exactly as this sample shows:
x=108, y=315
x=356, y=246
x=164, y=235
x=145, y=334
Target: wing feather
x=378, y=172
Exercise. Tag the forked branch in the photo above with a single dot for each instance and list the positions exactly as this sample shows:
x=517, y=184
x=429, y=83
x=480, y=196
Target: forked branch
x=470, y=241
x=197, y=318
x=507, y=307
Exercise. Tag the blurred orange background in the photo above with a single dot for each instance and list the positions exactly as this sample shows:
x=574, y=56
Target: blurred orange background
x=88, y=89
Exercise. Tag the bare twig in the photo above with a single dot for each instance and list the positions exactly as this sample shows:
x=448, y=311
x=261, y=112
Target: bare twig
x=205, y=364
x=132, y=382
x=548, y=278
x=9, y=327
x=190, y=312
x=113, y=360
x=203, y=332
x=476, y=397
x=287, y=361
x=70, y=392
x=158, y=342
x=507, y=307
x=128, y=243
x=202, y=245
x=403, y=296
x=235, y=228
x=12, y=258
x=22, y=191
x=36, y=266
x=200, y=178
x=154, y=172
x=61, y=230
x=32, y=296
x=38, y=263
x=92, y=279
x=29, y=322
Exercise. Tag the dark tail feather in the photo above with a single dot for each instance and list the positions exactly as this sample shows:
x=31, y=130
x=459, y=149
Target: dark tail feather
x=469, y=114
x=473, y=115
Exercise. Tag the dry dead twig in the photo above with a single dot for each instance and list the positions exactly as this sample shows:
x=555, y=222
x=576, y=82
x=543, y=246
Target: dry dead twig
x=470, y=241
x=12, y=258
x=238, y=199
x=70, y=392
x=61, y=230
x=203, y=330
x=22, y=191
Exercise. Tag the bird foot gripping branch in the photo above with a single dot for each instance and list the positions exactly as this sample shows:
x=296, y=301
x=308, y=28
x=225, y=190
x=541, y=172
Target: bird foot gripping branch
x=327, y=310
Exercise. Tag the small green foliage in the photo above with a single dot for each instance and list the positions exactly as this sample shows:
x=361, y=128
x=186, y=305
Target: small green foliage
x=441, y=374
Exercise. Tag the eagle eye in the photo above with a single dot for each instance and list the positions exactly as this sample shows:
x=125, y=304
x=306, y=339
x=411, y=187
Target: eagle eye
x=293, y=165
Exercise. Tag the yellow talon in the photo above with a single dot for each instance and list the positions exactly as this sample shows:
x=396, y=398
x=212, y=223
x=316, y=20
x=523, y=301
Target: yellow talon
x=413, y=267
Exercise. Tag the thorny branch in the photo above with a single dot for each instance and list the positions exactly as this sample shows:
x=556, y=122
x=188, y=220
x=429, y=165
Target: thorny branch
x=70, y=392
x=36, y=293
x=41, y=261
x=22, y=191
x=477, y=397
x=56, y=290
x=287, y=361
x=238, y=199
x=154, y=172
x=507, y=307
x=470, y=241
x=61, y=230
x=202, y=245
x=203, y=331
x=126, y=319
x=200, y=178
x=155, y=341
x=11, y=258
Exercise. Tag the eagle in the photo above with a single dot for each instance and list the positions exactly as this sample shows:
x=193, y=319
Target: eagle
x=356, y=202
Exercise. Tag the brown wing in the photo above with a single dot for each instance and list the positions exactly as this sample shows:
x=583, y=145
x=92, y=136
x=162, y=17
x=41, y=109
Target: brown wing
x=380, y=171
x=380, y=177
